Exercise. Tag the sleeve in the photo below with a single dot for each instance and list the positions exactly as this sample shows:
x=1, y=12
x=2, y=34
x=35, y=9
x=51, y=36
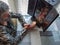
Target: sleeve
x=5, y=37
x=33, y=18
x=19, y=16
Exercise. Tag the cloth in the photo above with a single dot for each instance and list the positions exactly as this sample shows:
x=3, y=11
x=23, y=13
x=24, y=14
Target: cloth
x=8, y=33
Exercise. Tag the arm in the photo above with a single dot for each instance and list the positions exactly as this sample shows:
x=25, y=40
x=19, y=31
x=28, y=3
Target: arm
x=19, y=16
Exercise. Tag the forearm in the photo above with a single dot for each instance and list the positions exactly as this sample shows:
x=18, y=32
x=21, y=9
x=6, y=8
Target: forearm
x=14, y=15
x=19, y=16
x=33, y=24
x=22, y=20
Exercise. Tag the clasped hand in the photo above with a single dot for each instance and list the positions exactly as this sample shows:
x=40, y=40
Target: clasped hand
x=30, y=26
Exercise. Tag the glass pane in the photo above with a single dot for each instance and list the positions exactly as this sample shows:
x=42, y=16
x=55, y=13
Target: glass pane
x=54, y=38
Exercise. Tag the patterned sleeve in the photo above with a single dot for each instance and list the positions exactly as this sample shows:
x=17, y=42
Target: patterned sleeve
x=19, y=16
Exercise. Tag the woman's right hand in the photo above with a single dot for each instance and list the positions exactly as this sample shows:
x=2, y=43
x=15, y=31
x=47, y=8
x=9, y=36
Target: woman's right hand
x=30, y=26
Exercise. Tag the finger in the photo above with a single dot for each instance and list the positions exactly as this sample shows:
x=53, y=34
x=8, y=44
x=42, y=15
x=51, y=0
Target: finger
x=26, y=24
x=25, y=27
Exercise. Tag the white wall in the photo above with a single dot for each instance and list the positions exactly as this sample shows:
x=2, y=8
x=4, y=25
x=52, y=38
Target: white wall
x=12, y=5
x=22, y=6
x=58, y=9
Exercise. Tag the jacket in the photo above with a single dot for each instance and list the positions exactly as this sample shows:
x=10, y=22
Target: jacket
x=8, y=33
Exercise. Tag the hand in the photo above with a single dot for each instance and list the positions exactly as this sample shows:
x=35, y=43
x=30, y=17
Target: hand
x=26, y=26
x=31, y=26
